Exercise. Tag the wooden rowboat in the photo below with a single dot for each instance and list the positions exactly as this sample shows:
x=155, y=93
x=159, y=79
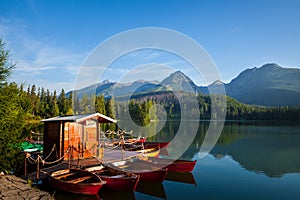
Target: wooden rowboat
x=152, y=152
x=76, y=181
x=147, y=173
x=116, y=179
x=161, y=145
x=144, y=145
x=170, y=164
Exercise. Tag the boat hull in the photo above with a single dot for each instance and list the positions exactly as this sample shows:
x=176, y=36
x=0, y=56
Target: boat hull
x=117, y=179
x=152, y=176
x=161, y=145
x=146, y=173
x=122, y=184
x=88, y=188
x=172, y=165
x=152, y=152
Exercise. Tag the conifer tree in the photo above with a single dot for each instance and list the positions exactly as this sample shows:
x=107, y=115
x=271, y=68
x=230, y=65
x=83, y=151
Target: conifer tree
x=11, y=116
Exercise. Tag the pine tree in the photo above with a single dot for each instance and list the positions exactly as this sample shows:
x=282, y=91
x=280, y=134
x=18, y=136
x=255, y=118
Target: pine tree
x=63, y=103
x=5, y=67
x=110, y=108
x=70, y=104
x=100, y=104
x=11, y=116
x=54, y=107
x=84, y=105
x=42, y=107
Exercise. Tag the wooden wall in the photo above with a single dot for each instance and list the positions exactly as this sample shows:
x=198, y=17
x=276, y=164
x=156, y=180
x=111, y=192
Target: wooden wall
x=51, y=137
x=81, y=137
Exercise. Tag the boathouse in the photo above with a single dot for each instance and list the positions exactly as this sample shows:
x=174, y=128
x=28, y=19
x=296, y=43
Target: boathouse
x=69, y=137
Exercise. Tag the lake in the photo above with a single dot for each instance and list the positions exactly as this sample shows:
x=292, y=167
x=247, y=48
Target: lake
x=251, y=160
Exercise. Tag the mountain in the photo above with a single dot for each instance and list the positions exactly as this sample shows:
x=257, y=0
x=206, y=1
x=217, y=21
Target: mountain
x=178, y=81
x=269, y=85
x=216, y=88
x=115, y=89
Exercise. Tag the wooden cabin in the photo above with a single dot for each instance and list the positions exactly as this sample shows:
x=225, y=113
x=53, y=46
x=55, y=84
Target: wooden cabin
x=73, y=136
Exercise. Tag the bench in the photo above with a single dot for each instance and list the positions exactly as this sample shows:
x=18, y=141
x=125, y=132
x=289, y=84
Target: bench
x=64, y=175
x=81, y=179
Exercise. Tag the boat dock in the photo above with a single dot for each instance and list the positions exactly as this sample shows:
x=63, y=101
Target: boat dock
x=109, y=157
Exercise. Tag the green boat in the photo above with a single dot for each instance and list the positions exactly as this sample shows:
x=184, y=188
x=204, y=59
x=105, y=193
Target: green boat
x=31, y=147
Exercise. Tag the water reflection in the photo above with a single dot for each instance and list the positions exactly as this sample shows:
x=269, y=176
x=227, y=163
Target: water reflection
x=271, y=148
x=107, y=194
x=65, y=195
x=185, y=177
x=152, y=189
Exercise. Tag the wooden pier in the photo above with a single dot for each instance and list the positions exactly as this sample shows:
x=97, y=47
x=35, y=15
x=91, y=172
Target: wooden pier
x=109, y=157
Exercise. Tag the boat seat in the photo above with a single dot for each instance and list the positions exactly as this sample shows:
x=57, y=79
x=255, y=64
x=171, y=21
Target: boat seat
x=123, y=166
x=64, y=175
x=118, y=176
x=81, y=179
x=60, y=172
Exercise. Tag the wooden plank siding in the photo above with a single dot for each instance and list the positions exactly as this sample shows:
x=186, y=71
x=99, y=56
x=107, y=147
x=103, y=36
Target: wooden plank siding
x=80, y=132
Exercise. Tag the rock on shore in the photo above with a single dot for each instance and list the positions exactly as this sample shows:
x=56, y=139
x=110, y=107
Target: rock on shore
x=12, y=187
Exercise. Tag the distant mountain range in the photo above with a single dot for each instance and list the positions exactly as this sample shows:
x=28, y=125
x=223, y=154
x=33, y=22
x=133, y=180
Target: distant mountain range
x=269, y=85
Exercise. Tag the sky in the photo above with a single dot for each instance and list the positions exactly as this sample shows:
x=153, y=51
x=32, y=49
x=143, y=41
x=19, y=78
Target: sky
x=49, y=40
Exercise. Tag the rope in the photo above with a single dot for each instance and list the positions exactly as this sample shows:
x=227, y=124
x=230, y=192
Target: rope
x=111, y=147
x=33, y=161
x=49, y=163
x=92, y=148
x=52, y=150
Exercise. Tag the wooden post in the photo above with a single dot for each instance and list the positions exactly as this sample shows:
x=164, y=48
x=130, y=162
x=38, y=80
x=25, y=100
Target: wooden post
x=122, y=146
x=61, y=140
x=123, y=152
x=25, y=165
x=69, y=149
x=38, y=168
x=98, y=138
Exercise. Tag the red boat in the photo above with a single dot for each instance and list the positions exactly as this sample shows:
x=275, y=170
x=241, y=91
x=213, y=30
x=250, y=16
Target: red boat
x=170, y=164
x=116, y=179
x=152, y=152
x=76, y=181
x=161, y=145
x=139, y=139
x=145, y=145
x=147, y=173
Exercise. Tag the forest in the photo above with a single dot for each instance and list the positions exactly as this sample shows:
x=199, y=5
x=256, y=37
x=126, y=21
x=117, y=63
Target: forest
x=40, y=103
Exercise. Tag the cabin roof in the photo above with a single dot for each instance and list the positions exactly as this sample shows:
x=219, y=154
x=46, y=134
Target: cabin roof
x=80, y=118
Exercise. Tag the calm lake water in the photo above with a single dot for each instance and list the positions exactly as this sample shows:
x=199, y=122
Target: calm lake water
x=252, y=160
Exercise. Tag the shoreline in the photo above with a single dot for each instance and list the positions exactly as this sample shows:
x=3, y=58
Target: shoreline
x=13, y=187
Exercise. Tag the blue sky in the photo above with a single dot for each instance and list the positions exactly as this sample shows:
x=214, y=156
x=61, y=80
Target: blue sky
x=49, y=40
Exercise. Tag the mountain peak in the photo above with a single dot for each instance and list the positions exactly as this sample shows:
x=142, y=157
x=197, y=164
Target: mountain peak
x=270, y=66
x=217, y=83
x=178, y=81
x=106, y=81
x=178, y=74
x=176, y=78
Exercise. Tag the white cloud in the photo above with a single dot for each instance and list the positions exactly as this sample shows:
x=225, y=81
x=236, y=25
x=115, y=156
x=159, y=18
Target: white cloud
x=37, y=60
x=154, y=54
